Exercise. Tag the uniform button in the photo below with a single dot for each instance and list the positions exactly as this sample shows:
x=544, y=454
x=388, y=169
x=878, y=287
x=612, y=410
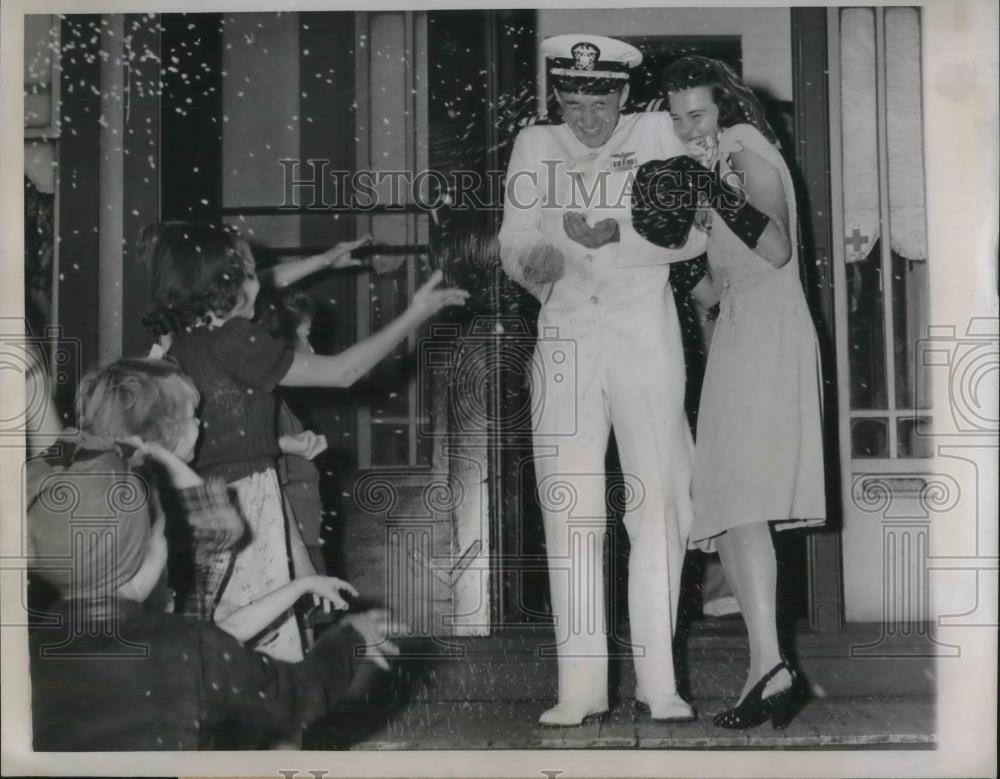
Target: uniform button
x=593, y=298
x=588, y=257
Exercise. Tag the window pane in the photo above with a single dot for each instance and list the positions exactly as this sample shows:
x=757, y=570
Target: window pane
x=389, y=296
x=910, y=311
x=425, y=449
x=866, y=335
x=870, y=437
x=387, y=393
x=914, y=437
x=432, y=392
x=907, y=216
x=41, y=32
x=389, y=389
x=390, y=445
x=398, y=394
x=866, y=332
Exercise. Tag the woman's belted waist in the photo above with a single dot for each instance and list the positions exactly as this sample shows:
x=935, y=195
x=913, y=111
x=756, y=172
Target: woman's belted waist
x=739, y=282
x=742, y=280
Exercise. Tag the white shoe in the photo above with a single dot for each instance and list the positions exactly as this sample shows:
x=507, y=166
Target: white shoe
x=675, y=709
x=570, y=714
x=721, y=607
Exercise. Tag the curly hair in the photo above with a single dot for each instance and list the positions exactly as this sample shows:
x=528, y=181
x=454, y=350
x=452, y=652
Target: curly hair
x=737, y=103
x=143, y=397
x=281, y=313
x=196, y=270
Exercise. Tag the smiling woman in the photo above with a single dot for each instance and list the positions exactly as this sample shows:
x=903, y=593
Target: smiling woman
x=761, y=392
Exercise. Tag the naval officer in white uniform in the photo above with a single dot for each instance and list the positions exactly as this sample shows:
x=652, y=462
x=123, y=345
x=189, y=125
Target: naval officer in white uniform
x=608, y=356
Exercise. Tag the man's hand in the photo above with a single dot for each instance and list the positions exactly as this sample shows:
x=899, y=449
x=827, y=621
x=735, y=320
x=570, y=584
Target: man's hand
x=306, y=444
x=374, y=627
x=576, y=227
x=544, y=264
x=606, y=231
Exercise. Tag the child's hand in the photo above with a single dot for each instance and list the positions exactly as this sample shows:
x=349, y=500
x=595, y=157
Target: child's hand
x=374, y=627
x=180, y=473
x=428, y=300
x=328, y=588
x=340, y=255
x=306, y=444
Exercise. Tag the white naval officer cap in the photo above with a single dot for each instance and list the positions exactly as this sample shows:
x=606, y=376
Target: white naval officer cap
x=589, y=63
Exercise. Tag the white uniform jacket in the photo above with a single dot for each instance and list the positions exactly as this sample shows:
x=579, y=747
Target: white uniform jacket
x=551, y=173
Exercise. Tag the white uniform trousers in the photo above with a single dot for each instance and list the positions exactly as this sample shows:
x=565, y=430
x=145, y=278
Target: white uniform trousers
x=595, y=368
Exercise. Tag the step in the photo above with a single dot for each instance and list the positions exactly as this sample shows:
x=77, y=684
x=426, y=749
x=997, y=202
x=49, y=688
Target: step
x=889, y=722
x=518, y=666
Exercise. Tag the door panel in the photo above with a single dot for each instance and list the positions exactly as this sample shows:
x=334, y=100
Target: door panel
x=880, y=266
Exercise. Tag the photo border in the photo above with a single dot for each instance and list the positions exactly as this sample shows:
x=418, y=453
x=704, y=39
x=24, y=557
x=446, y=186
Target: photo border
x=960, y=110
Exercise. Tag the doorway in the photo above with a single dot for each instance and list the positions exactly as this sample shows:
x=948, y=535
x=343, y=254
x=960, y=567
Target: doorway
x=799, y=120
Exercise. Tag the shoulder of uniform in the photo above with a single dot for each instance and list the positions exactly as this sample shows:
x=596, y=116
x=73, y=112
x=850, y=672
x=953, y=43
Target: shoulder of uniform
x=535, y=120
x=531, y=133
x=657, y=105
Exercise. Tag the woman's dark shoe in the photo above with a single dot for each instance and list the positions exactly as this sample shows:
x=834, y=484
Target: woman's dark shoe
x=754, y=709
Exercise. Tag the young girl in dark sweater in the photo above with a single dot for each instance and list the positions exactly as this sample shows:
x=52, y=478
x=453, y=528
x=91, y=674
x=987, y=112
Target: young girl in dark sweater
x=204, y=285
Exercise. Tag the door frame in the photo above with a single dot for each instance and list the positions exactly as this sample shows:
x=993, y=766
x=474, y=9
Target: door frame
x=902, y=482
x=812, y=157
x=811, y=99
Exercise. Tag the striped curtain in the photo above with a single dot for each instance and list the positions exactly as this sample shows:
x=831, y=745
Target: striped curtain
x=860, y=131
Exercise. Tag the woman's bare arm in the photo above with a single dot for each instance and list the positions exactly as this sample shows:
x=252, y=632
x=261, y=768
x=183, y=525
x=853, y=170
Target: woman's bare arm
x=287, y=273
x=245, y=623
x=342, y=370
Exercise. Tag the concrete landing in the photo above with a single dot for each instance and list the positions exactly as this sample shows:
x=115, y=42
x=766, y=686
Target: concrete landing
x=867, y=691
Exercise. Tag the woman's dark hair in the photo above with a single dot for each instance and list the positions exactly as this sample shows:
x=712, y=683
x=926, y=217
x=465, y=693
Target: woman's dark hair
x=737, y=103
x=300, y=306
x=281, y=314
x=196, y=270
